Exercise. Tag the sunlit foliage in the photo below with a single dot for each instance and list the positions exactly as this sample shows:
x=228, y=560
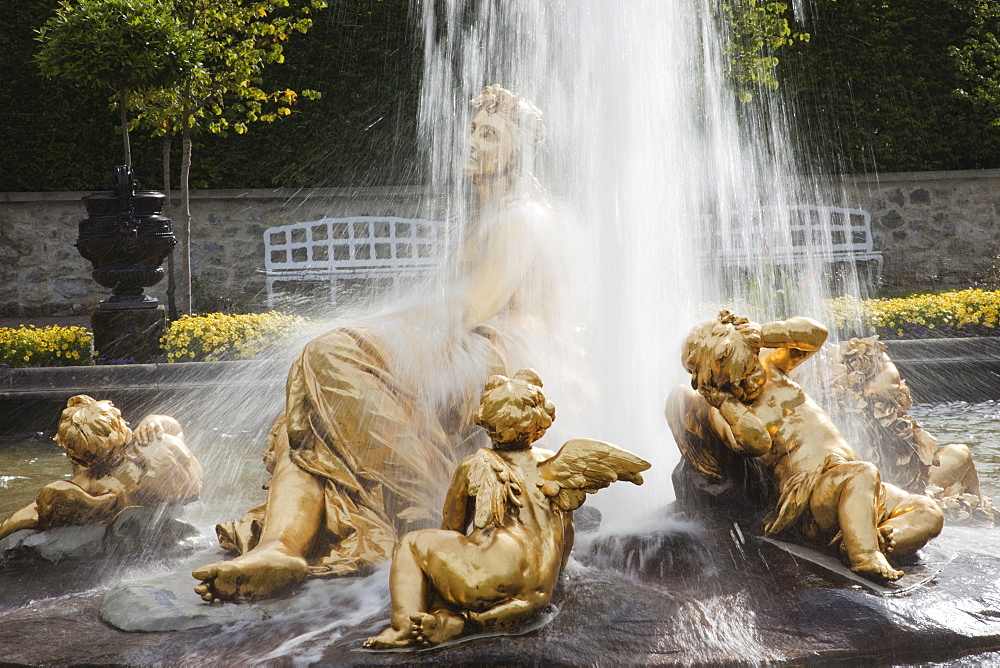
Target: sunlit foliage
x=28, y=345
x=962, y=313
x=215, y=337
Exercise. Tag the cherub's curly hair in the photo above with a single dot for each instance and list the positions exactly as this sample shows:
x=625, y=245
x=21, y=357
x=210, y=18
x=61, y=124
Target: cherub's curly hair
x=514, y=411
x=92, y=432
x=523, y=114
x=719, y=353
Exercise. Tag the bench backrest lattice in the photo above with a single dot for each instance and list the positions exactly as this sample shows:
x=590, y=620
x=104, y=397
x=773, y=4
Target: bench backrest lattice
x=846, y=231
x=356, y=247
x=824, y=233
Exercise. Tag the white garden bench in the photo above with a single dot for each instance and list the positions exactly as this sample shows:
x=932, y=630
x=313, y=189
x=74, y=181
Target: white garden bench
x=332, y=249
x=828, y=234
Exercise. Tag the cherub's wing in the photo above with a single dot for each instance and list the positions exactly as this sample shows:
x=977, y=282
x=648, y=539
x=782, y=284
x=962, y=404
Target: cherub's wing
x=494, y=483
x=584, y=466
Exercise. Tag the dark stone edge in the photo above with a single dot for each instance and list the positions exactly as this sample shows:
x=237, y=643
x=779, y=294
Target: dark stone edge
x=937, y=370
x=50, y=382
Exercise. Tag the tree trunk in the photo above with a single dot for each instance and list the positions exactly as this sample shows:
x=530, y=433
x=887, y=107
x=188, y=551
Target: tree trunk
x=171, y=274
x=184, y=303
x=124, y=115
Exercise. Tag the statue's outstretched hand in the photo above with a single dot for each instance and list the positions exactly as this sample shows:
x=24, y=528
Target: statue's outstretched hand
x=149, y=430
x=714, y=396
x=750, y=435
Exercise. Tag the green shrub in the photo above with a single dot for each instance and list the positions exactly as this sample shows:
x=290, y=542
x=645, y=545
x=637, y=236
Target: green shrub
x=961, y=313
x=46, y=346
x=214, y=336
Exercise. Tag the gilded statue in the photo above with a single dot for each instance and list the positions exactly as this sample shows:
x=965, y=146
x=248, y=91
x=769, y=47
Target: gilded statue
x=378, y=415
x=870, y=385
x=744, y=401
x=114, y=467
x=507, y=530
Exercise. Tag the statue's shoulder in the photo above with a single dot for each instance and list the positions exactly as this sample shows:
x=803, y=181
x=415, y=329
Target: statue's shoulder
x=528, y=213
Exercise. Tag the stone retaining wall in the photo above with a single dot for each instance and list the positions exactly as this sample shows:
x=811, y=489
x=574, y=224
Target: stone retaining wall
x=42, y=274
x=934, y=229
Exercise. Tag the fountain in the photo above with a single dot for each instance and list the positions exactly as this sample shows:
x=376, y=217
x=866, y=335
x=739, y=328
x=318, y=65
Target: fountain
x=653, y=173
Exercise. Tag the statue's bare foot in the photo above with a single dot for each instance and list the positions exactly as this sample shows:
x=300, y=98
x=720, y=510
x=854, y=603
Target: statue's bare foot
x=886, y=542
x=260, y=573
x=390, y=638
x=874, y=565
x=434, y=629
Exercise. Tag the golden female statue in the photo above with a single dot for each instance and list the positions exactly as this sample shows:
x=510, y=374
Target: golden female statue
x=519, y=501
x=378, y=415
x=746, y=403
x=113, y=468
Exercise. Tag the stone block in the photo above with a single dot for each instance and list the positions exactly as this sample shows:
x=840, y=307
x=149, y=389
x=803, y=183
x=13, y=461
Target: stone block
x=920, y=196
x=891, y=220
x=946, y=230
x=73, y=287
x=33, y=293
x=35, y=275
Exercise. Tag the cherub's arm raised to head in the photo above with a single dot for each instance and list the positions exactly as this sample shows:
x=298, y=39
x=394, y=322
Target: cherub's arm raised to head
x=153, y=427
x=794, y=340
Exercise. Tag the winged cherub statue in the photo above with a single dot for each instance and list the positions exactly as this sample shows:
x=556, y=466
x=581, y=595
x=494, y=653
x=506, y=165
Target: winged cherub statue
x=520, y=501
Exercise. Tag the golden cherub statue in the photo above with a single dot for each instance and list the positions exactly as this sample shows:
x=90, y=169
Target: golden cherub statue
x=746, y=403
x=519, y=500
x=908, y=456
x=113, y=468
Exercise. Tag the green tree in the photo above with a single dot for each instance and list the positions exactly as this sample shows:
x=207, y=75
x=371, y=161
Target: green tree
x=223, y=93
x=978, y=58
x=123, y=46
x=874, y=90
x=756, y=30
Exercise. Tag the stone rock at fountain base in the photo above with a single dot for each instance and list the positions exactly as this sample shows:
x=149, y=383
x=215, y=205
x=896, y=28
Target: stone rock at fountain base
x=167, y=602
x=683, y=592
x=730, y=599
x=133, y=532
x=27, y=546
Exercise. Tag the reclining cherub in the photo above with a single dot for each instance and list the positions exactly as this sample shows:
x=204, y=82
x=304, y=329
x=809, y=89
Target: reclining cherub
x=906, y=454
x=519, y=500
x=113, y=468
x=747, y=404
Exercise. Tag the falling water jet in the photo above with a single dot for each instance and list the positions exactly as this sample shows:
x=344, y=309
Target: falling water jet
x=657, y=173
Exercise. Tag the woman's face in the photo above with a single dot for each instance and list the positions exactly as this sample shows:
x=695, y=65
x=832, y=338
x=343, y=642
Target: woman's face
x=491, y=146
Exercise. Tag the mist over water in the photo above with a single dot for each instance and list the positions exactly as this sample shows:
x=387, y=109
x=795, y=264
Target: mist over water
x=657, y=172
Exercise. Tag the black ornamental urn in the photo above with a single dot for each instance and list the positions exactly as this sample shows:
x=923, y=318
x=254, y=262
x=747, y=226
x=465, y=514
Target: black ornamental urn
x=126, y=239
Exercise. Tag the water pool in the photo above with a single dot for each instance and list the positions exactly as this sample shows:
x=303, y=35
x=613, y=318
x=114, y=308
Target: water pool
x=976, y=425
x=29, y=461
